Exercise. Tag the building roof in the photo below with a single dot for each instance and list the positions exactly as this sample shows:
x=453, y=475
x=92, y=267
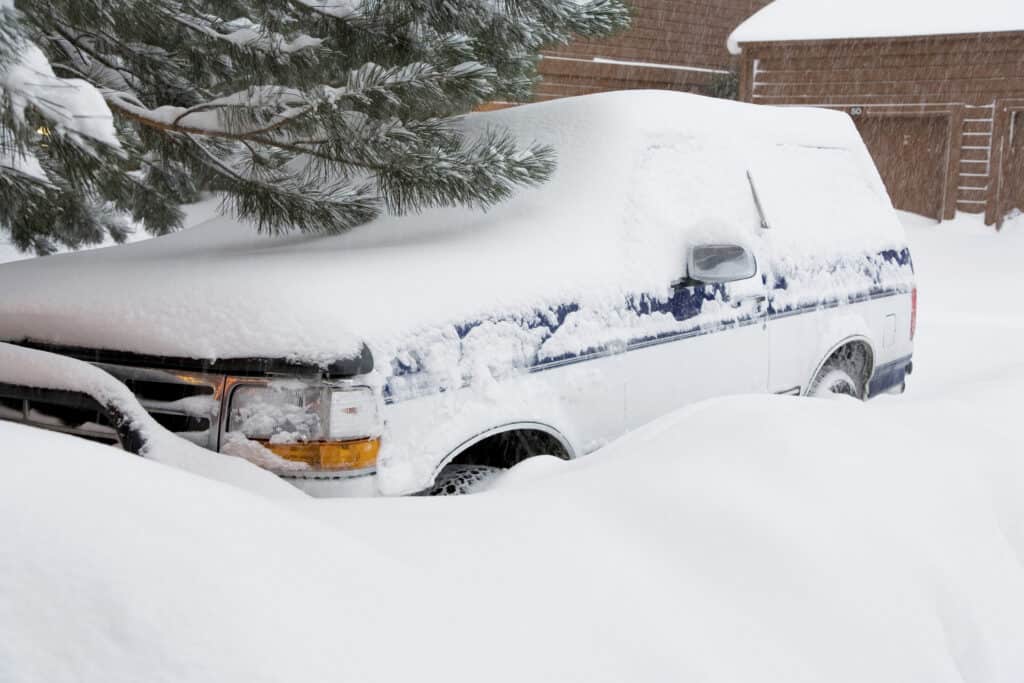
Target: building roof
x=785, y=20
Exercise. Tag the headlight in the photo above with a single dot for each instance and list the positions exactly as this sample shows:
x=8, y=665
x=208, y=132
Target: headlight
x=326, y=426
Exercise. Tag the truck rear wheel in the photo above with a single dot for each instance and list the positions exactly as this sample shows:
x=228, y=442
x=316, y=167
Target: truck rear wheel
x=845, y=373
x=835, y=381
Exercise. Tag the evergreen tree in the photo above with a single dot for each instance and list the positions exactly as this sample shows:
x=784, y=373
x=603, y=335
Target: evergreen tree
x=38, y=206
x=313, y=115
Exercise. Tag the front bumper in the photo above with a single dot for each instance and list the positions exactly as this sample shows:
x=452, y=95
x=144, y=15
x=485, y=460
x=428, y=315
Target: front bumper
x=357, y=486
x=192, y=403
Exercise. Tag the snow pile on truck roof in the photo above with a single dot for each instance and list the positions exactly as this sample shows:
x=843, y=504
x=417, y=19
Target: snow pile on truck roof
x=835, y=19
x=640, y=175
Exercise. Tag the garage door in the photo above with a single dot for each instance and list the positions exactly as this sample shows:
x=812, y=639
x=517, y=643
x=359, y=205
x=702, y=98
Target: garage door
x=910, y=152
x=1014, y=180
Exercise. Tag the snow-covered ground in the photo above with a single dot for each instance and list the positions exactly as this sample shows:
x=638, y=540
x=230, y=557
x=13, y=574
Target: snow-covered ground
x=743, y=539
x=971, y=299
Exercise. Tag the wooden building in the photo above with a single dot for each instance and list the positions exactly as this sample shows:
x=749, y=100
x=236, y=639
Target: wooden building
x=673, y=45
x=936, y=89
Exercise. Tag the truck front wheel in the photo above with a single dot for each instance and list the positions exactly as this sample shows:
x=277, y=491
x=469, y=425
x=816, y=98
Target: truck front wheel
x=460, y=480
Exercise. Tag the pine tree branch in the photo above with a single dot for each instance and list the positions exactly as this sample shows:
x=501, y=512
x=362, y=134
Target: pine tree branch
x=148, y=118
x=315, y=152
x=362, y=116
x=74, y=40
x=223, y=169
x=364, y=83
x=335, y=9
x=252, y=37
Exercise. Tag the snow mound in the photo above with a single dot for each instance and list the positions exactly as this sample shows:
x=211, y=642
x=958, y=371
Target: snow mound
x=640, y=174
x=37, y=369
x=836, y=19
x=117, y=569
x=823, y=541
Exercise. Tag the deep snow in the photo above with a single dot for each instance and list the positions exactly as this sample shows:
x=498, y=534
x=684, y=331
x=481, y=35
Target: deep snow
x=28, y=367
x=971, y=302
x=742, y=539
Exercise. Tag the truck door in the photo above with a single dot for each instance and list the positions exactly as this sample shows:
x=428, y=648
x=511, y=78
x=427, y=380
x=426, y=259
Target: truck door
x=719, y=347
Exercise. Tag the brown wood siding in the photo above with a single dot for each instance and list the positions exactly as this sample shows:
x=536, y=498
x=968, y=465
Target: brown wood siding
x=665, y=33
x=916, y=142
x=966, y=78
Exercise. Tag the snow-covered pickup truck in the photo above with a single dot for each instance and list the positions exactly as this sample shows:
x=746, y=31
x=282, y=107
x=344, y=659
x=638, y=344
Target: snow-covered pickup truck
x=686, y=248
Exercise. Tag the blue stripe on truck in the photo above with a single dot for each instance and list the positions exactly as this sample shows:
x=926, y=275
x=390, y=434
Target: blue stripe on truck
x=685, y=304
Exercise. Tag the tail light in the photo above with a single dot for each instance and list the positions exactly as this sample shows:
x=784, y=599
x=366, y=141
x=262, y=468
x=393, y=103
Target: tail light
x=913, y=313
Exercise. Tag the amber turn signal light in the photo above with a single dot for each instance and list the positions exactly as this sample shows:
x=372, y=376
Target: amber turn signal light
x=329, y=455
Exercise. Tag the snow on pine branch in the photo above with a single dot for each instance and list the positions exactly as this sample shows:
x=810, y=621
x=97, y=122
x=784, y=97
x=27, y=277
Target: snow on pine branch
x=305, y=114
x=339, y=9
x=271, y=106
x=244, y=33
x=71, y=106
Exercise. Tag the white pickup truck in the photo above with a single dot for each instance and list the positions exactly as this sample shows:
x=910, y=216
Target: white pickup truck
x=686, y=248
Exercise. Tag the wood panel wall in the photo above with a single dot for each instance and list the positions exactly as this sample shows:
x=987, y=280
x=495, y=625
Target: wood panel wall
x=969, y=78
x=673, y=44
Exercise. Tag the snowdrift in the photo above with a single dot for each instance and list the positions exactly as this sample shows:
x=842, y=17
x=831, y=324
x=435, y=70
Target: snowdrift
x=823, y=541
x=640, y=174
x=39, y=370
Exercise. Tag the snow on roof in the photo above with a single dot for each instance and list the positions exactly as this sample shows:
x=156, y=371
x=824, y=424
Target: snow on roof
x=638, y=172
x=834, y=19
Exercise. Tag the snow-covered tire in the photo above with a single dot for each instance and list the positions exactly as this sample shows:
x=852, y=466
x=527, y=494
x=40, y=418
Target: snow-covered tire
x=836, y=381
x=460, y=480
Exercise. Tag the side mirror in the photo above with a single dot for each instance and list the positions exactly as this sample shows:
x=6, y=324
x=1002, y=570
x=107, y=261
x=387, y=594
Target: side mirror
x=715, y=263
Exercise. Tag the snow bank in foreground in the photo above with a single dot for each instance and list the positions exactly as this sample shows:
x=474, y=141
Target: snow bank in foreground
x=827, y=19
x=118, y=569
x=824, y=541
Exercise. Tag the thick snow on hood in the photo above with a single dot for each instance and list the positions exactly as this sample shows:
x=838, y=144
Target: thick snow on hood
x=638, y=171
x=833, y=19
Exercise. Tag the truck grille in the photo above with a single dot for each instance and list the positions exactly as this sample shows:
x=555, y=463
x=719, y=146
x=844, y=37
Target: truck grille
x=187, y=403
x=70, y=415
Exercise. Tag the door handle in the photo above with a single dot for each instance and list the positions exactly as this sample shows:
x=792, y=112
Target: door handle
x=761, y=303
